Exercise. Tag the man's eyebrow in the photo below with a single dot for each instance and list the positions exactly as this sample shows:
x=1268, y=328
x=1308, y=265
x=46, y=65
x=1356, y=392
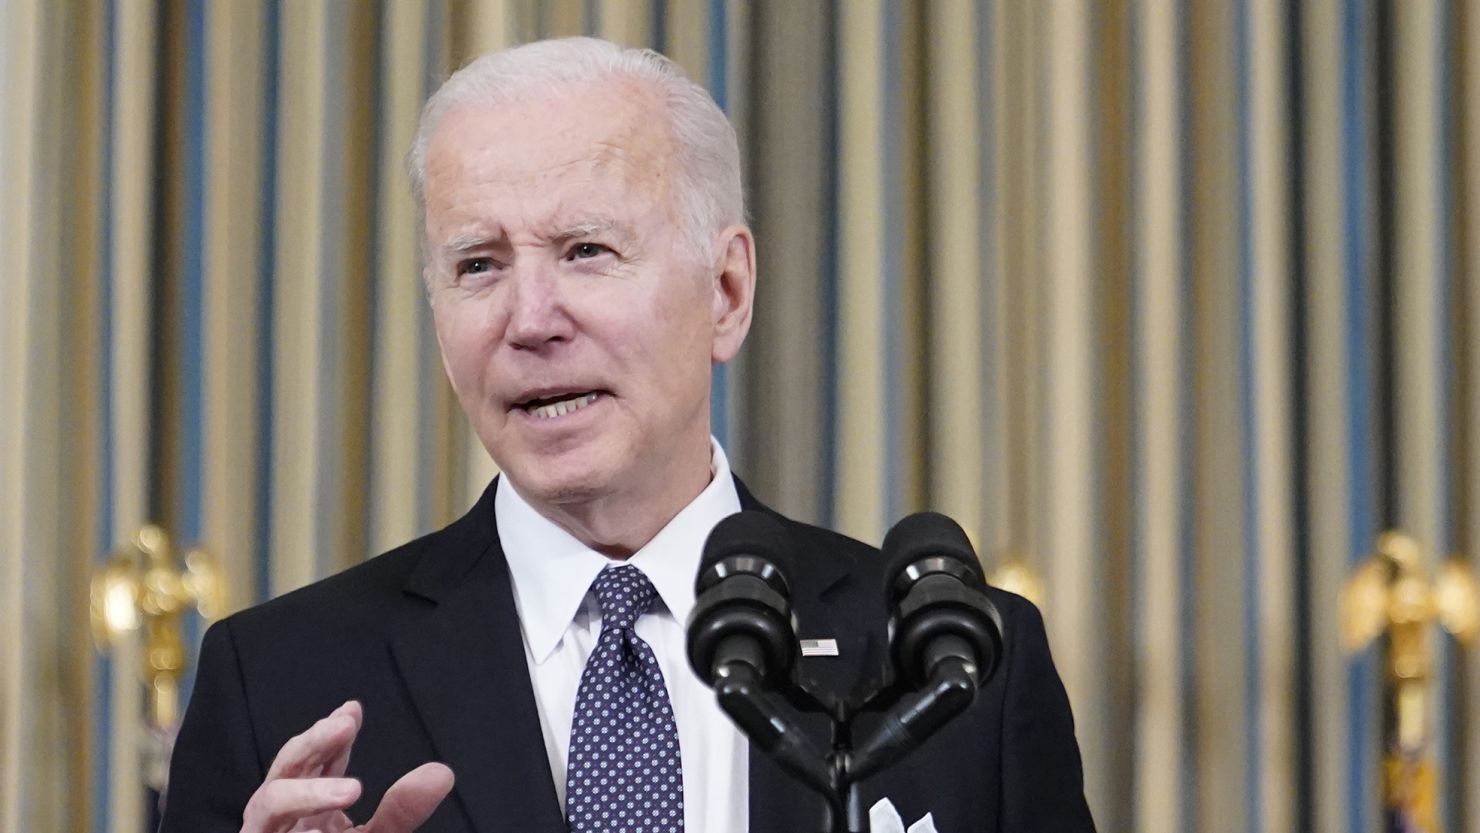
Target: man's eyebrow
x=469, y=241
x=589, y=228
x=459, y=243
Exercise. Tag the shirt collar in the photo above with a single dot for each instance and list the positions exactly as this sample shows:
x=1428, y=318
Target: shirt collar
x=552, y=571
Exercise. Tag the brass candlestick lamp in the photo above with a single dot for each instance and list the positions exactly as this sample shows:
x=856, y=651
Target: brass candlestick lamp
x=1390, y=595
x=142, y=588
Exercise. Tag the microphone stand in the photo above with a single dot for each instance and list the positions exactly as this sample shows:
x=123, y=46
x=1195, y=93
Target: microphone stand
x=843, y=812
x=911, y=717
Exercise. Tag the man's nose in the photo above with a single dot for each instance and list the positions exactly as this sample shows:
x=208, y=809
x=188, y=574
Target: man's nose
x=537, y=310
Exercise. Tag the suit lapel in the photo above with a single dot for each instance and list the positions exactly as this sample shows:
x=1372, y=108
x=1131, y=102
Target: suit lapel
x=825, y=577
x=778, y=802
x=465, y=669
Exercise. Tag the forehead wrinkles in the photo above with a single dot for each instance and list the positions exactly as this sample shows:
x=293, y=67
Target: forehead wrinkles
x=590, y=144
x=588, y=195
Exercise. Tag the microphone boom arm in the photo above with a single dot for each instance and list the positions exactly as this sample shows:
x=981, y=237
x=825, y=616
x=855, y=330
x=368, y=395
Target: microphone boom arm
x=739, y=689
x=951, y=690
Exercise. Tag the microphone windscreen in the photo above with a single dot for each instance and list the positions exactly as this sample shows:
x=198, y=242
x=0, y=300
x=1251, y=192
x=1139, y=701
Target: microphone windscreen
x=922, y=535
x=751, y=533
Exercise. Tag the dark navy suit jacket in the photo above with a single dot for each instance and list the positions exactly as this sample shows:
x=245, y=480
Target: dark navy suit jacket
x=427, y=639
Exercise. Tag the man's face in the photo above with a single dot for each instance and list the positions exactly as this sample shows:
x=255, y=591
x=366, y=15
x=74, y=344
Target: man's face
x=575, y=324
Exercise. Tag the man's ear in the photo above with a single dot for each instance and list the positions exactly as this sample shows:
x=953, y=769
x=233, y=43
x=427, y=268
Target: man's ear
x=734, y=292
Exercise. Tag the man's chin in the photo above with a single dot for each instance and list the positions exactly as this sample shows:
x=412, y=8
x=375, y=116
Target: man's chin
x=551, y=488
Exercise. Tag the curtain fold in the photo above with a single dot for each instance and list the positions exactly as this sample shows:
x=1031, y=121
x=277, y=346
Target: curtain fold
x=1170, y=302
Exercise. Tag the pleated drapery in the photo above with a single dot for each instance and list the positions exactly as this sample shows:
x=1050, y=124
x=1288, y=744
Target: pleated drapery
x=1171, y=301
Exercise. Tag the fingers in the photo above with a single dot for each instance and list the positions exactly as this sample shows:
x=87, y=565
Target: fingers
x=409, y=801
x=325, y=745
x=340, y=762
x=278, y=805
x=304, y=781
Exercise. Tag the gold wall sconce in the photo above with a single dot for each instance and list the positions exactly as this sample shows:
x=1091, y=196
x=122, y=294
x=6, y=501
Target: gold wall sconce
x=1390, y=599
x=1014, y=574
x=142, y=592
x=1012, y=571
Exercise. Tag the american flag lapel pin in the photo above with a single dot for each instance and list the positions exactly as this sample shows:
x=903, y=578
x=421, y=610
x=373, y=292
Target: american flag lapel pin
x=819, y=647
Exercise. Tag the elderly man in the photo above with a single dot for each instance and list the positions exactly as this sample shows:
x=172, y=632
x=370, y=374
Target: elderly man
x=587, y=262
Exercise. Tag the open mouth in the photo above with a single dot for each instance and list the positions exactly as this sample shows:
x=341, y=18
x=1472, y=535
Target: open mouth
x=559, y=405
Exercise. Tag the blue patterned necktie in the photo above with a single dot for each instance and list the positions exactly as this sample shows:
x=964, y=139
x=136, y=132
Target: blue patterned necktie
x=624, y=772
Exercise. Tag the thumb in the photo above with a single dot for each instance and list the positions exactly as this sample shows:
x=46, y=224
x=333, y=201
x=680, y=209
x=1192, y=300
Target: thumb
x=409, y=801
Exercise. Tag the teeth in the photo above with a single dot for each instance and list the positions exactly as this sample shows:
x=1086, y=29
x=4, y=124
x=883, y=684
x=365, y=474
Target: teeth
x=562, y=407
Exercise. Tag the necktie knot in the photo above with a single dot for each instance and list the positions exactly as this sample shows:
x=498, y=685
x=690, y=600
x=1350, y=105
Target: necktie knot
x=624, y=594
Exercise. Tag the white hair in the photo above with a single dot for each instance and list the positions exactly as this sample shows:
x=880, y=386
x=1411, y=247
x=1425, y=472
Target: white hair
x=708, y=194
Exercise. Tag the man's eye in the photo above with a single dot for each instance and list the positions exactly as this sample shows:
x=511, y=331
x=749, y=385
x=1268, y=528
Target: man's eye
x=586, y=251
x=475, y=266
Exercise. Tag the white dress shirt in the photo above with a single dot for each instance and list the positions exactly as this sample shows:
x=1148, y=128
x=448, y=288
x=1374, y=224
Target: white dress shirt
x=552, y=574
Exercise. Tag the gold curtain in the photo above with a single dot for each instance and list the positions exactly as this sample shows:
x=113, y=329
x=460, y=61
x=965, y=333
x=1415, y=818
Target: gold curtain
x=1173, y=302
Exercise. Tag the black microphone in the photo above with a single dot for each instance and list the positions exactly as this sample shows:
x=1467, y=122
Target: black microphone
x=742, y=609
x=945, y=635
x=937, y=595
x=742, y=637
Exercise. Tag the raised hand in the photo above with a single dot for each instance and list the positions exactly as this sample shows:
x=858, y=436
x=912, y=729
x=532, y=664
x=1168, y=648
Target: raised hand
x=306, y=792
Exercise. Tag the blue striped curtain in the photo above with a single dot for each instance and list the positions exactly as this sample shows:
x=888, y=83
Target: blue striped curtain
x=1171, y=303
